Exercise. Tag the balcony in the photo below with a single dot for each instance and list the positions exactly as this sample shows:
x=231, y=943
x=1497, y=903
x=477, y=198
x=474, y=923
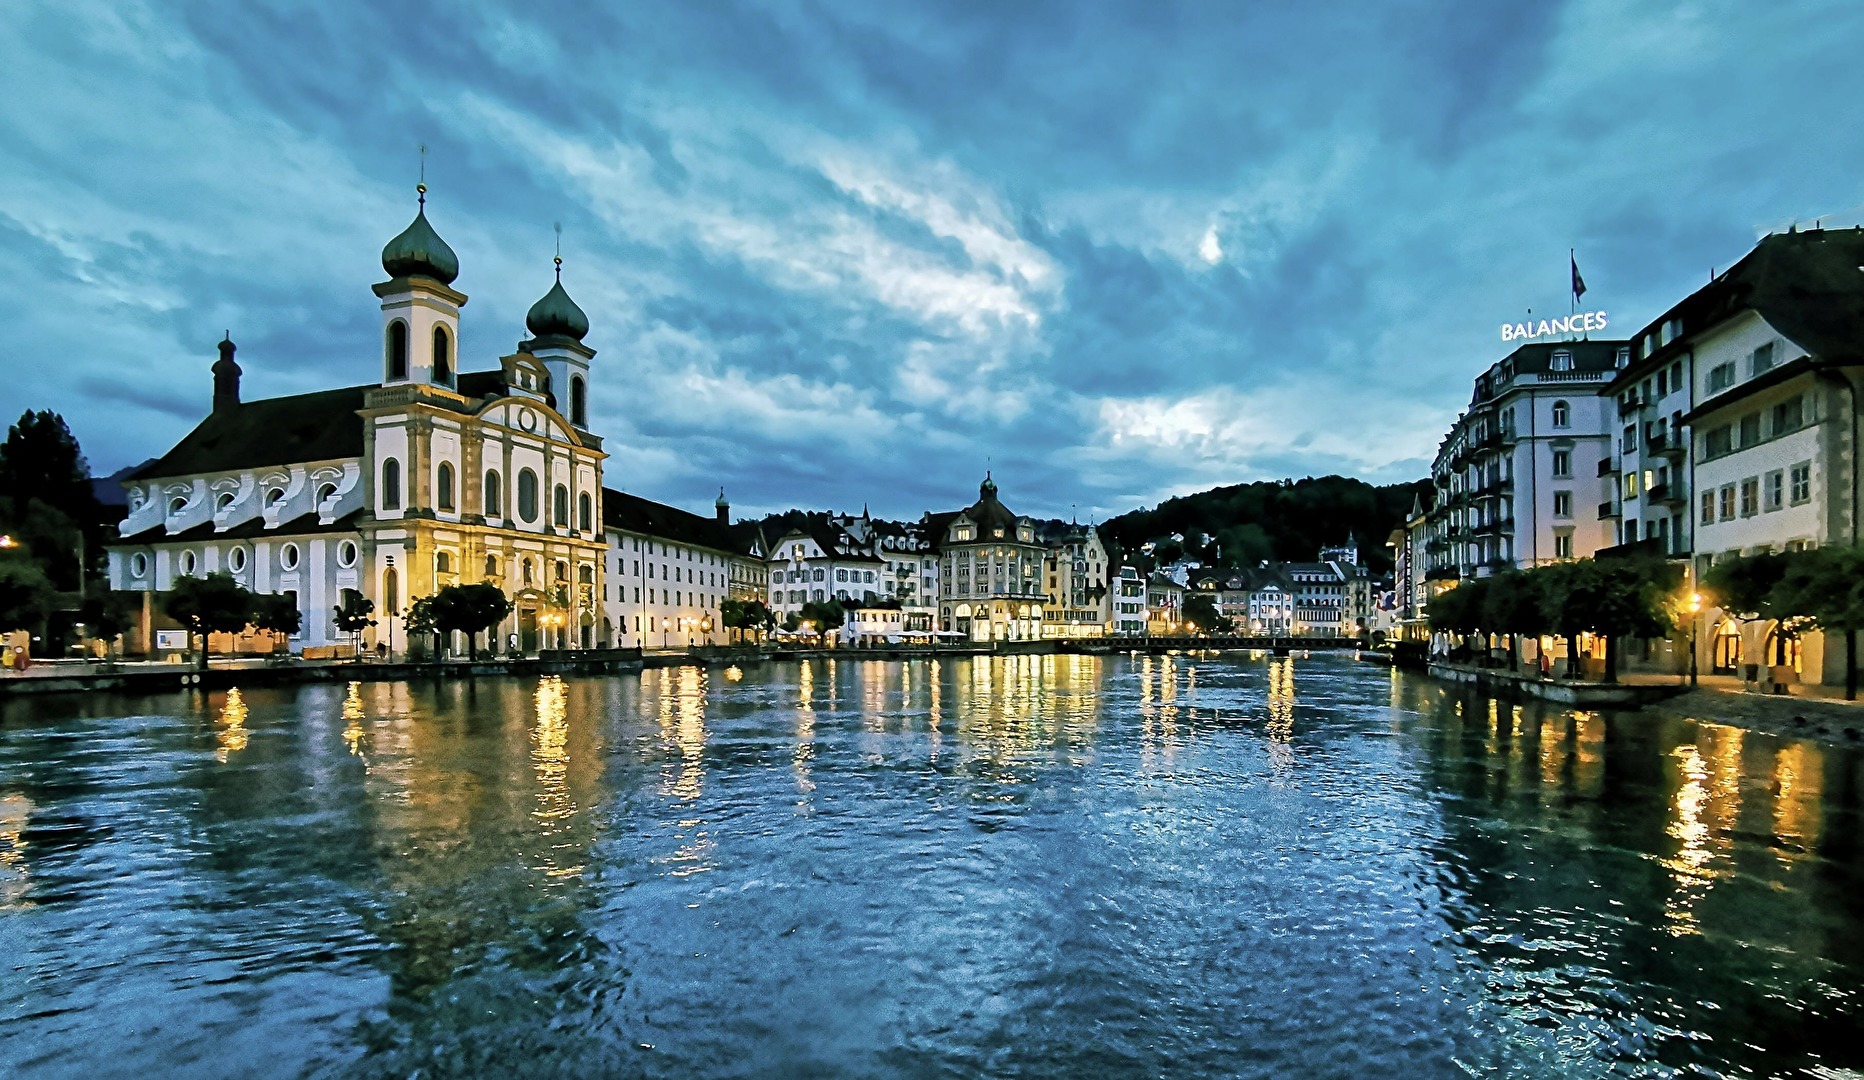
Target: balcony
x=1668, y=494
x=1607, y=510
x=1607, y=466
x=1498, y=527
x=1663, y=444
x=1631, y=407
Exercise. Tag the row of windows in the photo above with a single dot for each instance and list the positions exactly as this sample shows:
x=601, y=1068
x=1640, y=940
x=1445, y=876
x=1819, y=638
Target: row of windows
x=674, y=573
x=1758, y=494
x=494, y=505
x=1784, y=418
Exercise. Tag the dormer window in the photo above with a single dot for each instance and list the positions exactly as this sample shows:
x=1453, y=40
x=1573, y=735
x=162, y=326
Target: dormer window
x=1562, y=360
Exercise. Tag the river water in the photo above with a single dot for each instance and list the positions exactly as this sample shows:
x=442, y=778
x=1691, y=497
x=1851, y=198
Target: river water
x=1032, y=866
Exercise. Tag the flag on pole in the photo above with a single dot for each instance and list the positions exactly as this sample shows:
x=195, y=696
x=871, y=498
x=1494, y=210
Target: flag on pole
x=1579, y=283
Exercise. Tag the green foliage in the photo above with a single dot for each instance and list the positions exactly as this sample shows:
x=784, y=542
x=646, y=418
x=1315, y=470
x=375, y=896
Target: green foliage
x=1200, y=609
x=46, y=500
x=107, y=616
x=469, y=609
x=26, y=595
x=1513, y=605
x=824, y=615
x=352, y=616
x=215, y=604
x=277, y=614
x=1824, y=585
x=743, y=615
x=1287, y=519
x=1745, y=586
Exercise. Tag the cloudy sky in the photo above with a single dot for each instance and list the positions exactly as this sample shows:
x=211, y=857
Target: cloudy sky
x=837, y=253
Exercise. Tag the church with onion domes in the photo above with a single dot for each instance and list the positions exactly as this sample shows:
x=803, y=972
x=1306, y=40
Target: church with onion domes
x=433, y=475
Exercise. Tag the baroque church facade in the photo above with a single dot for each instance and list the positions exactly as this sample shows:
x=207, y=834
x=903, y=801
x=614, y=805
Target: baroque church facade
x=391, y=490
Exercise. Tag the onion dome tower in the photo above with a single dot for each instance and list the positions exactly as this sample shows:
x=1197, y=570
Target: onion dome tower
x=557, y=329
x=420, y=309
x=226, y=377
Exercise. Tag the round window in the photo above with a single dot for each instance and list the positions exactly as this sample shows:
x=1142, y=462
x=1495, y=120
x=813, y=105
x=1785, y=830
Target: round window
x=236, y=559
x=187, y=562
x=288, y=556
x=346, y=553
x=139, y=565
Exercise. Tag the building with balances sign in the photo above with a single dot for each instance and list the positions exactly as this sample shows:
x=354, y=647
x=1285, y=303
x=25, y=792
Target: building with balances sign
x=430, y=475
x=1516, y=475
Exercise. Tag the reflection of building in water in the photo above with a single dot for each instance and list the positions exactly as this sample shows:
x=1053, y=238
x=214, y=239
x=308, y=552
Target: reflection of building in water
x=1703, y=813
x=353, y=733
x=15, y=811
x=805, y=727
x=1281, y=699
x=232, y=735
x=682, y=729
x=1798, y=775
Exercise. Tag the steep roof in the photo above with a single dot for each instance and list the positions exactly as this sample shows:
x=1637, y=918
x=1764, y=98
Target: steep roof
x=1807, y=285
x=319, y=426
x=631, y=513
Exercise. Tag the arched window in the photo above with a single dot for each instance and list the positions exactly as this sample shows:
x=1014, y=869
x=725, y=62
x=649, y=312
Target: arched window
x=443, y=357
x=561, y=504
x=443, y=482
x=391, y=484
x=530, y=573
x=325, y=491
x=225, y=500
x=491, y=567
x=397, y=360
x=585, y=512
x=579, y=402
x=391, y=590
x=527, y=495
x=493, y=506
x=1562, y=414
x=443, y=562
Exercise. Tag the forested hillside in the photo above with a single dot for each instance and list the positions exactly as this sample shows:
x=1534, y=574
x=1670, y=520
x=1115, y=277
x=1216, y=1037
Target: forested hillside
x=1271, y=519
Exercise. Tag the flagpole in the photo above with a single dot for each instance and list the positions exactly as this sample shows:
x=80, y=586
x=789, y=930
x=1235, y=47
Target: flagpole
x=1572, y=295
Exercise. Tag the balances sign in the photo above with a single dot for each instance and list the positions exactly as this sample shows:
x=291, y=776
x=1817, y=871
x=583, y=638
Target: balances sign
x=1584, y=322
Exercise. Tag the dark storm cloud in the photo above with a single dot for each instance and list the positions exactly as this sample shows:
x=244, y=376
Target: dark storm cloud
x=837, y=253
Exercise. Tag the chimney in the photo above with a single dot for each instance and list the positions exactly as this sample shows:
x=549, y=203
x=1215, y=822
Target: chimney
x=226, y=378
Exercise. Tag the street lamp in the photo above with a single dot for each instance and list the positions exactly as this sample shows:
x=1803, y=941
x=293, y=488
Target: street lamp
x=665, y=625
x=1695, y=609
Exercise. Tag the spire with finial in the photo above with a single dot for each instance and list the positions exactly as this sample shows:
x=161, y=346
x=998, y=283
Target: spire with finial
x=555, y=314
x=418, y=251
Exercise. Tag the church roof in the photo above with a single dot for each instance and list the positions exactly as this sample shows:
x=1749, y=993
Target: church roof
x=320, y=426
x=631, y=513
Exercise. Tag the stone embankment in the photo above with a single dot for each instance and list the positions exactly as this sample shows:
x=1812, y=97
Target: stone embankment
x=1500, y=682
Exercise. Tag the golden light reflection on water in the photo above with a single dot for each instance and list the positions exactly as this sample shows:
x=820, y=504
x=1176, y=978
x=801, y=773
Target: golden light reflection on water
x=232, y=734
x=550, y=762
x=15, y=811
x=1702, y=818
x=682, y=728
x=353, y=733
x=804, y=752
x=1281, y=702
x=1798, y=775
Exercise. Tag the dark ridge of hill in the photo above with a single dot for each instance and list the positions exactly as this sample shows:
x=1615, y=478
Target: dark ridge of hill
x=1271, y=519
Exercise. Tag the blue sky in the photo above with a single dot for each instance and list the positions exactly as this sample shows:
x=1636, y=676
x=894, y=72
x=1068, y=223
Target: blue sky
x=846, y=253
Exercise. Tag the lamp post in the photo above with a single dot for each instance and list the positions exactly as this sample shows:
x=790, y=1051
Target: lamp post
x=394, y=605
x=665, y=625
x=1695, y=610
